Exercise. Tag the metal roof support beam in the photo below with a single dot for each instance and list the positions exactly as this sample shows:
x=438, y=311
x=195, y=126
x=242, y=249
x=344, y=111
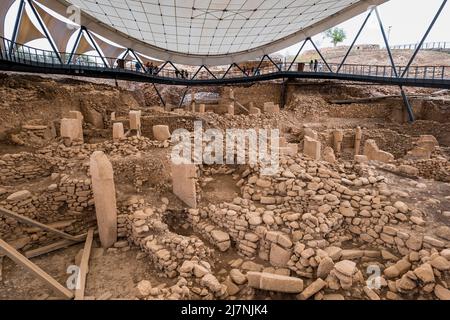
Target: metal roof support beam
x=405, y=97
x=159, y=95
x=17, y=25
x=44, y=28
x=228, y=70
x=354, y=41
x=296, y=56
x=199, y=69
x=95, y=46
x=138, y=60
x=438, y=13
x=165, y=64
x=320, y=54
x=182, y=98
x=77, y=41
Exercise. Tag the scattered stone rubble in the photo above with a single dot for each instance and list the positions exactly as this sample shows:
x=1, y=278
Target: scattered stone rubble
x=318, y=229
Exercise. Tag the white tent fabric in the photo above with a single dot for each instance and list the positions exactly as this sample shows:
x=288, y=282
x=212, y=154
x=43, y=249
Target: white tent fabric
x=210, y=32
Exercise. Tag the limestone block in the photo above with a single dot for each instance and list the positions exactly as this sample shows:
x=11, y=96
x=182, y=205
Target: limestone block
x=118, y=131
x=104, y=191
x=201, y=108
x=372, y=152
x=270, y=107
x=135, y=120
x=254, y=110
x=183, y=180
x=328, y=155
x=161, y=132
x=338, y=136
x=308, y=132
x=71, y=129
x=230, y=109
x=312, y=148
x=279, y=256
x=274, y=282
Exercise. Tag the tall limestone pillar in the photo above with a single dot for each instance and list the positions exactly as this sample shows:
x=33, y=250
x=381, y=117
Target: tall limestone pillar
x=358, y=138
x=102, y=177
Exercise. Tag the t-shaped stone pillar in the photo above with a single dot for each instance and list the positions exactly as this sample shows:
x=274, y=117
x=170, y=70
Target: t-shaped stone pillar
x=312, y=148
x=102, y=177
x=338, y=137
x=71, y=129
x=118, y=132
x=79, y=116
x=135, y=121
x=201, y=108
x=183, y=181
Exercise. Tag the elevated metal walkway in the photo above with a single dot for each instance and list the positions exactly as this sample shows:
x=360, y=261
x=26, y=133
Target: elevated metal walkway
x=21, y=58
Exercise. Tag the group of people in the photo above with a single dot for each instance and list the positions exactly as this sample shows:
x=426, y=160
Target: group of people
x=315, y=66
x=150, y=68
x=183, y=74
x=251, y=71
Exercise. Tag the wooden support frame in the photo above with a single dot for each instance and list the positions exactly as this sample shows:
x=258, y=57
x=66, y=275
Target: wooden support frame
x=84, y=265
x=35, y=223
x=21, y=260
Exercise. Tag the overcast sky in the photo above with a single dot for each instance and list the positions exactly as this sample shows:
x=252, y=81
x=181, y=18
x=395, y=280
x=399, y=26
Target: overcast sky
x=405, y=21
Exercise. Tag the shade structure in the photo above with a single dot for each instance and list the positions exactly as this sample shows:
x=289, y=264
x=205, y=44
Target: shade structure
x=5, y=5
x=210, y=32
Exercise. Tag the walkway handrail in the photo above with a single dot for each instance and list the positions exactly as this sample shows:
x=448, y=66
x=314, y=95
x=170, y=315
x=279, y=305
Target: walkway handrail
x=23, y=54
x=442, y=45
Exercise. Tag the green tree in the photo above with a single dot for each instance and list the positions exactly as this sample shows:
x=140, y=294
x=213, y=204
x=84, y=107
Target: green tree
x=336, y=35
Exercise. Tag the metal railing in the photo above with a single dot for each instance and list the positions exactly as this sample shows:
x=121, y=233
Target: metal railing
x=23, y=54
x=425, y=46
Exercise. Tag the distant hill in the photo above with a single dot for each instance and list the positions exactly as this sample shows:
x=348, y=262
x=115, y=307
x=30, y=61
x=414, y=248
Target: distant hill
x=374, y=55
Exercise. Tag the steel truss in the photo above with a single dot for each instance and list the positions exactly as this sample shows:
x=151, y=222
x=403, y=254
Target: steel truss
x=83, y=30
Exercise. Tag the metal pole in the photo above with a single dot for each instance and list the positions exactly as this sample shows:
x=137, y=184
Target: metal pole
x=405, y=98
x=77, y=41
x=296, y=56
x=159, y=95
x=320, y=54
x=49, y=38
x=425, y=36
x=270, y=59
x=354, y=41
x=16, y=25
x=95, y=46
x=182, y=98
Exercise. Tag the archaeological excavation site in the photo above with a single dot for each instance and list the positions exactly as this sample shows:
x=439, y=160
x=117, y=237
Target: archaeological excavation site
x=324, y=175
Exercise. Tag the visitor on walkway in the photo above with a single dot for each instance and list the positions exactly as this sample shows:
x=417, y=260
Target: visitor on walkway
x=311, y=65
x=138, y=66
x=316, y=64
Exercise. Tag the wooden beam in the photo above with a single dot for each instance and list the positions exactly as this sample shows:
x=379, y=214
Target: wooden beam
x=84, y=265
x=42, y=226
x=1, y=269
x=50, y=248
x=14, y=255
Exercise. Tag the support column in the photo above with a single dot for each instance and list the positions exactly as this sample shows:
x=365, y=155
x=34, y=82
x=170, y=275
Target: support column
x=103, y=187
x=358, y=138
